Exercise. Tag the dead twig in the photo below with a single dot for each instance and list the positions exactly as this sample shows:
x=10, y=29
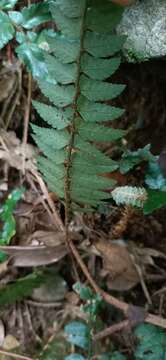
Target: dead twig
x=14, y=355
x=56, y=218
x=111, y=330
x=26, y=118
x=44, y=304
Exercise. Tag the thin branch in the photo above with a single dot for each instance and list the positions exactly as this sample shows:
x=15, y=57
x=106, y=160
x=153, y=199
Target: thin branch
x=14, y=355
x=27, y=110
x=156, y=320
x=56, y=218
x=44, y=304
x=111, y=330
x=26, y=119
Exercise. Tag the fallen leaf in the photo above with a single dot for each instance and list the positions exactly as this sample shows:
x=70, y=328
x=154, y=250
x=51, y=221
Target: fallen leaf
x=146, y=254
x=27, y=256
x=14, y=153
x=3, y=267
x=49, y=238
x=118, y=265
x=7, y=81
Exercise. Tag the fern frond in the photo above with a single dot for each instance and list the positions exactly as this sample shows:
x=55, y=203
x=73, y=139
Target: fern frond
x=83, y=56
x=130, y=195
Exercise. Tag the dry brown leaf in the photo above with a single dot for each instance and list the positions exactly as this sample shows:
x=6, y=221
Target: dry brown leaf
x=13, y=152
x=118, y=265
x=146, y=254
x=49, y=238
x=7, y=80
x=25, y=256
x=3, y=267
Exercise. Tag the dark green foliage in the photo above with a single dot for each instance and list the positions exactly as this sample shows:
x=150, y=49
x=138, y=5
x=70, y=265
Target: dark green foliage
x=7, y=29
x=79, y=67
x=156, y=199
x=93, y=302
x=32, y=45
x=80, y=333
x=7, y=4
x=116, y=355
x=34, y=15
x=6, y=215
x=154, y=177
x=56, y=349
x=20, y=289
x=132, y=158
x=31, y=54
x=151, y=343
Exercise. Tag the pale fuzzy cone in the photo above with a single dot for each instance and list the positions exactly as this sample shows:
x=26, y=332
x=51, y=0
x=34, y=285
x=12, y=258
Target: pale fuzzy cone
x=123, y=2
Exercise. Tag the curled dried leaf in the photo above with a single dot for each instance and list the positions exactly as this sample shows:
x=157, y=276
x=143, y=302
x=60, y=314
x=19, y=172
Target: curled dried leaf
x=118, y=265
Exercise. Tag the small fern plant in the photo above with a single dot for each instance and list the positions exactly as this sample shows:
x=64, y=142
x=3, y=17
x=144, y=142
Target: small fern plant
x=83, y=55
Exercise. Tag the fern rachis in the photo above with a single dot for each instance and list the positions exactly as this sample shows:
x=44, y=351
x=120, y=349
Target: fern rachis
x=79, y=64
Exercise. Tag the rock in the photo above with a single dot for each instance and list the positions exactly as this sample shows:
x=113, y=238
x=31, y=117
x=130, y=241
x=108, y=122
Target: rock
x=144, y=24
x=54, y=289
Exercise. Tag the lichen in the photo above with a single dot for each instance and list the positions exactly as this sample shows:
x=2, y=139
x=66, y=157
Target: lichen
x=144, y=24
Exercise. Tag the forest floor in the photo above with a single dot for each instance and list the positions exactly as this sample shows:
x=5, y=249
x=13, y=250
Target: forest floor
x=31, y=323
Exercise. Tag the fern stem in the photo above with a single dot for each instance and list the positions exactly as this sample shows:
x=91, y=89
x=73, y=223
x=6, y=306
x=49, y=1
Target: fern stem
x=67, y=187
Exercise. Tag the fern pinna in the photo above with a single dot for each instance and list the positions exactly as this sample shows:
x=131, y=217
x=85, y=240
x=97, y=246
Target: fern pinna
x=79, y=62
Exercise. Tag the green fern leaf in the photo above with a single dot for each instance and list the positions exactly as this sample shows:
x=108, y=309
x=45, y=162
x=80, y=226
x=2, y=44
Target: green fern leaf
x=62, y=73
x=97, y=112
x=97, y=68
x=68, y=26
x=129, y=195
x=80, y=62
x=65, y=49
x=103, y=16
x=95, y=90
x=56, y=118
x=99, y=45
